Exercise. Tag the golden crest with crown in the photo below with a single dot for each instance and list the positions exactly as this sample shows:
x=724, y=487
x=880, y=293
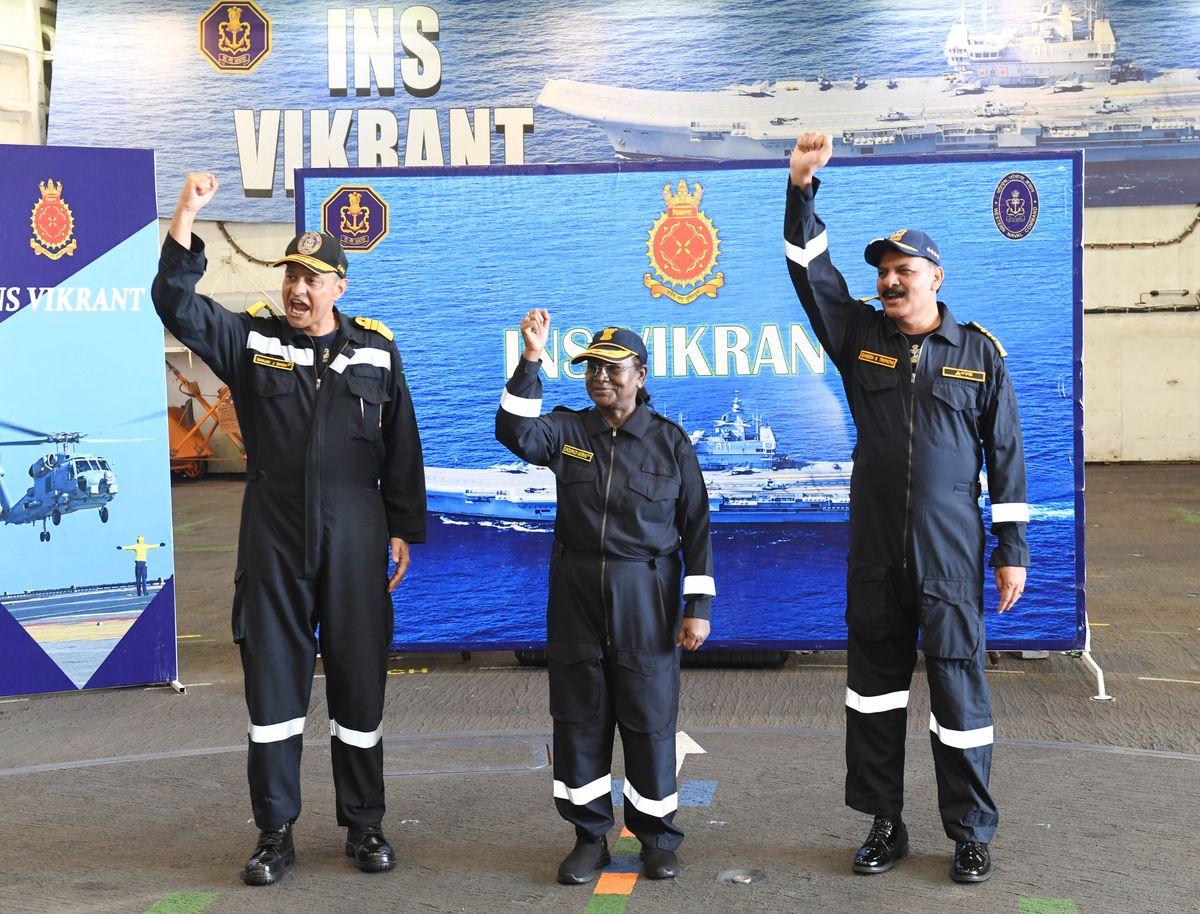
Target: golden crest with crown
x=683, y=247
x=356, y=218
x=233, y=34
x=1015, y=205
x=52, y=223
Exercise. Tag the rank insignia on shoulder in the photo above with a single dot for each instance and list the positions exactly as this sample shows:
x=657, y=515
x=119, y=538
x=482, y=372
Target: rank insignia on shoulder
x=875, y=358
x=272, y=362
x=369, y=323
x=988, y=334
x=577, y=452
x=964, y=374
x=260, y=308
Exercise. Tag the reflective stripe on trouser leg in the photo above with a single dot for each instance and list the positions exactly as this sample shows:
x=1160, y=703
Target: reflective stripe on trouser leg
x=651, y=794
x=356, y=632
x=961, y=735
x=583, y=775
x=878, y=677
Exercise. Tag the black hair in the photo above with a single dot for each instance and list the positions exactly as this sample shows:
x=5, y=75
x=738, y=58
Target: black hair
x=643, y=395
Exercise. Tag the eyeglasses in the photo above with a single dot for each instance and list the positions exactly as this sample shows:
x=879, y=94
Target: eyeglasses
x=604, y=368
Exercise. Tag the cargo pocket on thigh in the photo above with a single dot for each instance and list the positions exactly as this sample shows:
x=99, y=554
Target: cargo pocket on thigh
x=574, y=681
x=951, y=618
x=239, y=622
x=869, y=603
x=647, y=689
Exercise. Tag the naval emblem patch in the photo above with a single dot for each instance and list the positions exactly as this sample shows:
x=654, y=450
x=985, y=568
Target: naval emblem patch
x=235, y=36
x=683, y=247
x=1015, y=206
x=52, y=223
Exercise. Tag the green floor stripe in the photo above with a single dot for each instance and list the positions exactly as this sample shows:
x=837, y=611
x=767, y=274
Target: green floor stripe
x=182, y=903
x=607, y=904
x=1048, y=906
x=627, y=846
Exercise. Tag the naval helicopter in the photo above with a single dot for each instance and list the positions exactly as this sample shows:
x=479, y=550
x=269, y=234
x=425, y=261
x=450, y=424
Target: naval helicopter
x=63, y=481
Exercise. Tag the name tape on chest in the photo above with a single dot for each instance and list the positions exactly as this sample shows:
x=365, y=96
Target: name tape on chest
x=577, y=452
x=875, y=358
x=273, y=362
x=964, y=374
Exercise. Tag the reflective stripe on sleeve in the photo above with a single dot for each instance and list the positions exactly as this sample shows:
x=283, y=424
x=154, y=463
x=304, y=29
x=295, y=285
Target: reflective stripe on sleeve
x=657, y=808
x=1009, y=512
x=961, y=739
x=520, y=406
x=356, y=738
x=874, y=704
x=809, y=252
x=699, y=585
x=274, y=733
x=581, y=796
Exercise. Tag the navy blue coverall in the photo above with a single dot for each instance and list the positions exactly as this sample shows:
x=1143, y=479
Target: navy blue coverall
x=630, y=501
x=333, y=467
x=916, y=534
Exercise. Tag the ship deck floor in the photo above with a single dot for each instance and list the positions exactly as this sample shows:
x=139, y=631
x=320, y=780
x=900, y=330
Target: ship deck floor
x=134, y=800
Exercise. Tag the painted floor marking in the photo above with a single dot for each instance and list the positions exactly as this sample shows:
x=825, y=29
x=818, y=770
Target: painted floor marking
x=1047, y=906
x=1158, y=679
x=182, y=903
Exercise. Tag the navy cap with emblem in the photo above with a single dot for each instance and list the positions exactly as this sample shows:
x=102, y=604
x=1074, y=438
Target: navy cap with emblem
x=913, y=242
x=614, y=344
x=317, y=251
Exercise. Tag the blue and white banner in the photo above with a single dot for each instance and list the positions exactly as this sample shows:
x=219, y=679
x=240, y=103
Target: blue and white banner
x=691, y=256
x=86, y=568
x=253, y=89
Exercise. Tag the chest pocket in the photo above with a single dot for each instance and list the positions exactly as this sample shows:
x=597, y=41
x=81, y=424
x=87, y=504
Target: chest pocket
x=368, y=393
x=575, y=471
x=879, y=412
x=954, y=414
x=656, y=481
x=273, y=382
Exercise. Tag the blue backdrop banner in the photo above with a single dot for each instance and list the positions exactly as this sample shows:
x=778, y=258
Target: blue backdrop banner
x=253, y=90
x=691, y=257
x=86, y=570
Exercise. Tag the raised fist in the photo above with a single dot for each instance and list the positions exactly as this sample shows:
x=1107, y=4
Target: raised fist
x=812, y=151
x=198, y=189
x=535, y=328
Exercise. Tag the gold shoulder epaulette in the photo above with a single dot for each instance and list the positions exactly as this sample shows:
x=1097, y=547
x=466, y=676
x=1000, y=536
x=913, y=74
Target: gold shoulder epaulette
x=369, y=323
x=988, y=334
x=260, y=306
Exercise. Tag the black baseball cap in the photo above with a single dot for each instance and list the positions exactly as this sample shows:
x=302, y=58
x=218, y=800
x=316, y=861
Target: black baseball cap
x=613, y=344
x=317, y=251
x=913, y=242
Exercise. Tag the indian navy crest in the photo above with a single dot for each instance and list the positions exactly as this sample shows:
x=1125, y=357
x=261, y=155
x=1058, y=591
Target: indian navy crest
x=356, y=216
x=52, y=222
x=235, y=37
x=683, y=247
x=309, y=243
x=1015, y=205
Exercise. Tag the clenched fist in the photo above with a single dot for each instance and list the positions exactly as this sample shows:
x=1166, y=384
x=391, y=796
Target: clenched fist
x=198, y=189
x=812, y=151
x=535, y=328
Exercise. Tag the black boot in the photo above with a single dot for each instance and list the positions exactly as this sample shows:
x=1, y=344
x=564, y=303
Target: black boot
x=273, y=854
x=658, y=863
x=585, y=859
x=972, y=862
x=370, y=849
x=886, y=843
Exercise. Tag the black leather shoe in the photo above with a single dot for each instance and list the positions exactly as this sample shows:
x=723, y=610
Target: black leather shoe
x=886, y=843
x=273, y=854
x=972, y=862
x=370, y=849
x=658, y=863
x=585, y=859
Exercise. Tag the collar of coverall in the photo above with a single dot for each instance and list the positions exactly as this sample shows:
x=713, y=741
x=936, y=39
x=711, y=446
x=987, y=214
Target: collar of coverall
x=948, y=330
x=637, y=423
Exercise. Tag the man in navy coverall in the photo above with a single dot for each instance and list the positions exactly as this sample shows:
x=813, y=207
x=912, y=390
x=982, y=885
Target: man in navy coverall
x=931, y=399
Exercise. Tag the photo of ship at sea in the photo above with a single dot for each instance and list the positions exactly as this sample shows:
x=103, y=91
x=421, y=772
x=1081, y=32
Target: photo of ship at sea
x=739, y=370
x=608, y=81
